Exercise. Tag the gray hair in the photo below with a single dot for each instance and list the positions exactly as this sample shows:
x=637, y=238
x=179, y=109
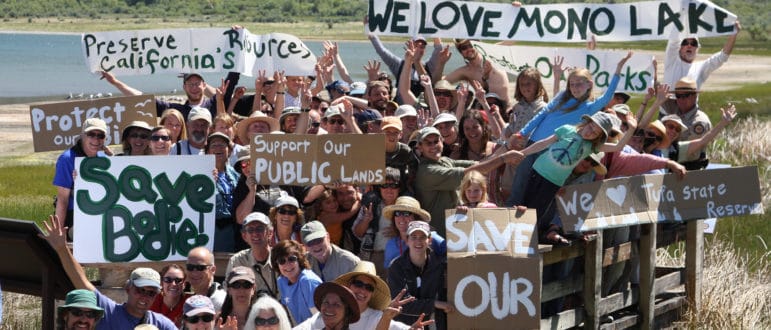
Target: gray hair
x=265, y=302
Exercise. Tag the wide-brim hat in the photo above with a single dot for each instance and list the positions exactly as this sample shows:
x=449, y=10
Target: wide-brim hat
x=80, y=298
x=685, y=85
x=136, y=124
x=444, y=85
x=243, y=126
x=345, y=295
x=406, y=203
x=381, y=297
x=623, y=96
x=597, y=158
x=603, y=120
x=676, y=119
x=659, y=126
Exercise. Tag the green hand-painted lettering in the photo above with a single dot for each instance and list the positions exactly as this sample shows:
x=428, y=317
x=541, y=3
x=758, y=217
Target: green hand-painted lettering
x=199, y=188
x=136, y=184
x=94, y=169
x=110, y=235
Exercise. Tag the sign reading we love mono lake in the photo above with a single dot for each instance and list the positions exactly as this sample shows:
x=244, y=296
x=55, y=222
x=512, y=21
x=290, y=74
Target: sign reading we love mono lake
x=657, y=198
x=142, y=208
x=567, y=22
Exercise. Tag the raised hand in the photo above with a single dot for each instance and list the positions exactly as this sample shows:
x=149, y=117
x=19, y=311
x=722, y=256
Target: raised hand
x=557, y=69
x=729, y=113
x=372, y=68
x=56, y=232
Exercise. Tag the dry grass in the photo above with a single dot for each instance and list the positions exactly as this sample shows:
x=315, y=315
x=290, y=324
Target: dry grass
x=21, y=312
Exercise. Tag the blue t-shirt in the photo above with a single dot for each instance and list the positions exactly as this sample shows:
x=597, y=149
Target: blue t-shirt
x=116, y=316
x=298, y=297
x=396, y=246
x=563, y=155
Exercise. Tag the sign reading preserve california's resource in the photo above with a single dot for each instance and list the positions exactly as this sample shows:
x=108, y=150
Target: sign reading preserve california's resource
x=567, y=22
x=146, y=52
x=493, y=269
x=143, y=208
x=306, y=160
x=57, y=126
x=656, y=198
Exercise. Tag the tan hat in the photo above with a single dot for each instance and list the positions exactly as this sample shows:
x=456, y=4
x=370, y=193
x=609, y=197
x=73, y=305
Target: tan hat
x=659, y=126
x=676, y=119
x=391, y=122
x=312, y=230
x=685, y=85
x=243, y=126
x=444, y=85
x=406, y=203
x=241, y=273
x=199, y=113
x=142, y=277
x=381, y=297
x=94, y=124
x=597, y=158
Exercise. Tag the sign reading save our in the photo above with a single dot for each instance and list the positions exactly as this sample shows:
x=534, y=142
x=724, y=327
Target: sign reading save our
x=649, y=20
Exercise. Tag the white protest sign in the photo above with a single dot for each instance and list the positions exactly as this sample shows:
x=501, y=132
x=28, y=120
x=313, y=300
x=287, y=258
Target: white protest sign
x=569, y=22
x=142, y=208
x=637, y=74
x=147, y=52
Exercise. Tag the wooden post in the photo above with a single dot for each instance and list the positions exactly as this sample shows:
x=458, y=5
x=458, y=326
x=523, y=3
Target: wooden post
x=647, y=274
x=593, y=282
x=694, y=257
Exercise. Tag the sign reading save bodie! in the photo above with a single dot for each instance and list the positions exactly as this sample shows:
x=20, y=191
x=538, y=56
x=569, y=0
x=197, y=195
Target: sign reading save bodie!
x=306, y=160
x=657, y=198
x=143, y=208
x=567, y=22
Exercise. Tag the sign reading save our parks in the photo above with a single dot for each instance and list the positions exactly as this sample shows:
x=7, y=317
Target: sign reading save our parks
x=142, y=208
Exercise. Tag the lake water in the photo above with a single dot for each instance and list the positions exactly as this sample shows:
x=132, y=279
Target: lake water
x=51, y=66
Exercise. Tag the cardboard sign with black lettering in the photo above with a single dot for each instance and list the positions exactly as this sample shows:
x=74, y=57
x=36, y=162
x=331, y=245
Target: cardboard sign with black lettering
x=657, y=198
x=57, y=126
x=307, y=160
x=493, y=269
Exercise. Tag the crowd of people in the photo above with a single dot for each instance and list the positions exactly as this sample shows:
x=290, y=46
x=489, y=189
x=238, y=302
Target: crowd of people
x=348, y=256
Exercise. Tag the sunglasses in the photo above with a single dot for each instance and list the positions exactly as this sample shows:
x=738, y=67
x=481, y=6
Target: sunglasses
x=639, y=133
x=402, y=213
x=255, y=230
x=689, y=42
x=282, y=261
x=362, y=285
x=289, y=211
x=141, y=136
x=197, y=318
x=157, y=138
x=336, y=121
x=174, y=280
x=87, y=313
x=98, y=136
x=315, y=124
x=146, y=293
x=258, y=321
x=673, y=127
x=196, y=268
x=682, y=96
x=443, y=93
x=390, y=186
x=241, y=284
x=651, y=135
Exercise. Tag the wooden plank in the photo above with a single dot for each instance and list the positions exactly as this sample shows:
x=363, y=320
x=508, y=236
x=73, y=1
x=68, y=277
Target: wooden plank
x=593, y=282
x=669, y=281
x=671, y=235
x=694, y=258
x=625, y=322
x=647, y=276
x=669, y=311
x=564, y=320
x=558, y=254
x=556, y=289
x=618, y=301
x=616, y=254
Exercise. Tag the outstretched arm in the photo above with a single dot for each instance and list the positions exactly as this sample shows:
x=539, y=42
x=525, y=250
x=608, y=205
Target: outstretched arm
x=729, y=44
x=404, y=76
x=697, y=145
x=56, y=237
x=121, y=86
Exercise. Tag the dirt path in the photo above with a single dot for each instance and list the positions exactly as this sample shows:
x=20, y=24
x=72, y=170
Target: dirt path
x=16, y=133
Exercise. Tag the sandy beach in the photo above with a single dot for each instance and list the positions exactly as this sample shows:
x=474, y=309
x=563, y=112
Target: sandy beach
x=16, y=132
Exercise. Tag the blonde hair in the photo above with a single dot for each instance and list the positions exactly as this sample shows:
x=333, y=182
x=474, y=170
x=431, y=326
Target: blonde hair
x=567, y=95
x=599, y=140
x=470, y=178
x=183, y=129
x=535, y=75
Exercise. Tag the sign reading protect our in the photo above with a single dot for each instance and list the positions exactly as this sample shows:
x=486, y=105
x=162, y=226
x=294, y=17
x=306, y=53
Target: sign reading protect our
x=493, y=269
x=569, y=22
x=57, y=126
x=142, y=208
x=307, y=160
x=657, y=198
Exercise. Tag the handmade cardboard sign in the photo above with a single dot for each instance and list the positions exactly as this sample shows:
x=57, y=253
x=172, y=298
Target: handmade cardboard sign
x=57, y=125
x=636, y=76
x=567, y=22
x=657, y=198
x=146, y=52
x=306, y=160
x=494, y=277
x=142, y=208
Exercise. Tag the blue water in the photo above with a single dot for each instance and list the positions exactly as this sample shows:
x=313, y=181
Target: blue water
x=50, y=66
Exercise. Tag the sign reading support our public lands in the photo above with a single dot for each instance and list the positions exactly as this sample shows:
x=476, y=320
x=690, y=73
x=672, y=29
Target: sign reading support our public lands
x=57, y=126
x=143, y=208
x=147, y=52
x=307, y=160
x=493, y=269
x=568, y=22
x=657, y=198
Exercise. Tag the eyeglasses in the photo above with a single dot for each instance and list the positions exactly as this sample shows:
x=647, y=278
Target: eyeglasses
x=197, y=318
x=315, y=242
x=390, y=186
x=689, y=42
x=194, y=84
x=258, y=321
x=465, y=46
x=673, y=127
x=146, y=293
x=289, y=211
x=282, y=261
x=362, y=285
x=94, y=135
x=652, y=135
x=402, y=213
x=336, y=121
x=174, y=280
x=241, y=284
x=157, y=138
x=684, y=95
x=137, y=135
x=443, y=93
x=87, y=313
x=255, y=230
x=196, y=268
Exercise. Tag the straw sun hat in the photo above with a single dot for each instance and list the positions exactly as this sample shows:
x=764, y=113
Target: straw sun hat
x=381, y=298
x=406, y=203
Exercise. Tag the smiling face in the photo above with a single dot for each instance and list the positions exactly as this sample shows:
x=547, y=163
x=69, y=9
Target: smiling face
x=360, y=291
x=256, y=234
x=242, y=295
x=290, y=269
x=473, y=192
x=689, y=49
x=332, y=310
x=203, y=278
x=286, y=216
x=84, y=321
x=378, y=97
x=448, y=131
x=194, y=87
x=220, y=149
x=138, y=139
x=472, y=130
x=92, y=142
x=173, y=282
x=174, y=126
x=402, y=220
x=197, y=132
x=290, y=123
x=431, y=147
x=418, y=241
x=139, y=299
x=443, y=99
x=590, y=131
x=320, y=248
x=158, y=145
x=673, y=130
x=579, y=86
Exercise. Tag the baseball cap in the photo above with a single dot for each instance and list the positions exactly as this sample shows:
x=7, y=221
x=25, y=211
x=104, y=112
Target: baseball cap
x=391, y=121
x=198, y=304
x=418, y=225
x=358, y=88
x=312, y=230
x=186, y=76
x=142, y=277
x=256, y=216
x=199, y=113
x=94, y=124
x=405, y=110
x=286, y=200
x=241, y=273
x=427, y=131
x=444, y=117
